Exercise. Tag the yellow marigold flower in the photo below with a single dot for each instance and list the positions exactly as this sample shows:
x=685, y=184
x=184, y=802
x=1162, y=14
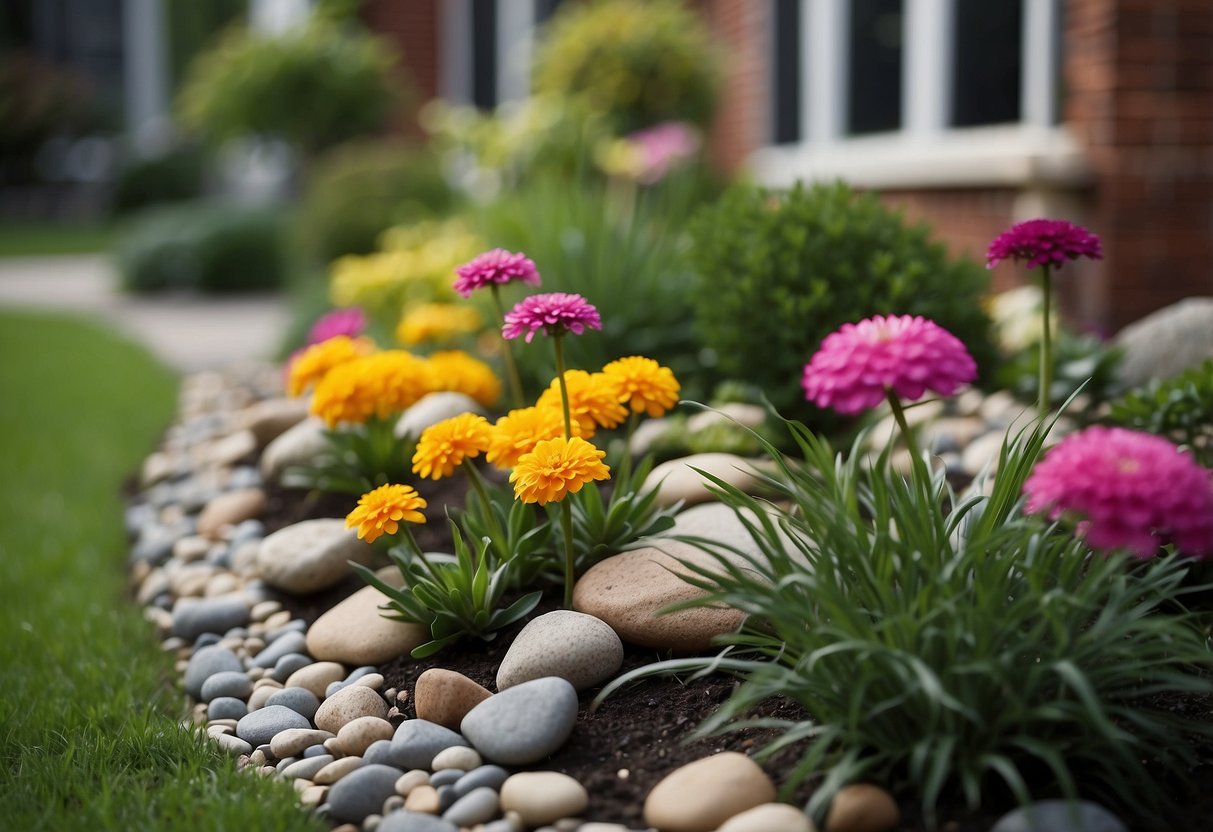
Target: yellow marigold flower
x=519, y=431
x=424, y=322
x=593, y=401
x=643, y=384
x=381, y=385
x=379, y=512
x=445, y=445
x=555, y=468
x=313, y=364
x=456, y=370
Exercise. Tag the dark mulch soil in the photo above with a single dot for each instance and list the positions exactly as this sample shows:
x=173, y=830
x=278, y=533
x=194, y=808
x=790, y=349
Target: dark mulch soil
x=645, y=730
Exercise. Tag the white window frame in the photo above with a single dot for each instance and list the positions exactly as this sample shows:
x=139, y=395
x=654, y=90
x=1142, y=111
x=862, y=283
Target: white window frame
x=926, y=151
x=515, y=38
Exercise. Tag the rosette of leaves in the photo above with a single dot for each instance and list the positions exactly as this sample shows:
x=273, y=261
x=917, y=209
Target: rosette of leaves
x=1179, y=408
x=359, y=458
x=634, y=62
x=455, y=596
x=777, y=272
x=516, y=532
x=947, y=641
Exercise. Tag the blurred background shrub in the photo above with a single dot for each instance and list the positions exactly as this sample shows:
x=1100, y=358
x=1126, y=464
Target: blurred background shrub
x=777, y=272
x=206, y=246
x=175, y=175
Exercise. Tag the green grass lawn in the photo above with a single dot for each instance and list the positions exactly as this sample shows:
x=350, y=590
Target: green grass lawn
x=89, y=731
x=33, y=239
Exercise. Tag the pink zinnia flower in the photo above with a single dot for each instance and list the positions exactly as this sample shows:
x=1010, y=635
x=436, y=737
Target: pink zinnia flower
x=495, y=267
x=1131, y=490
x=351, y=322
x=555, y=313
x=909, y=355
x=661, y=147
x=1044, y=243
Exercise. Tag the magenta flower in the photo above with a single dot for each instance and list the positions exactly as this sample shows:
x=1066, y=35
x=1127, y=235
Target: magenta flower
x=661, y=147
x=495, y=267
x=1044, y=243
x=1130, y=490
x=555, y=313
x=351, y=322
x=909, y=355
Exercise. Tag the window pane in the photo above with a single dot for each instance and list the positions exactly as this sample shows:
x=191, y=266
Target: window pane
x=785, y=70
x=484, y=53
x=986, y=80
x=874, y=64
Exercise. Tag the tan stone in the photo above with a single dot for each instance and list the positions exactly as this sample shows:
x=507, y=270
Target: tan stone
x=337, y=769
x=348, y=704
x=357, y=735
x=423, y=799
x=678, y=480
x=270, y=418
x=292, y=741
x=259, y=697
x=862, y=807
x=313, y=795
x=356, y=633
x=316, y=677
x=541, y=797
x=574, y=646
x=311, y=555
x=768, y=817
x=230, y=508
x=702, y=795
x=627, y=591
x=445, y=697
x=411, y=780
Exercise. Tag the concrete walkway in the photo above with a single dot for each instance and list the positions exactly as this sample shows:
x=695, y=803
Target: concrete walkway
x=187, y=333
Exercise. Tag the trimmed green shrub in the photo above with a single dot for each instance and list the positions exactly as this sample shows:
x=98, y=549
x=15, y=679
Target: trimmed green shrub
x=209, y=246
x=780, y=271
x=361, y=189
x=172, y=177
x=637, y=62
x=314, y=88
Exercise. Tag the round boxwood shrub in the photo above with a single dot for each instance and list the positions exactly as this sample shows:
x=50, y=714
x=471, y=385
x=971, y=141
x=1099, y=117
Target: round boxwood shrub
x=638, y=62
x=780, y=271
x=362, y=188
x=206, y=246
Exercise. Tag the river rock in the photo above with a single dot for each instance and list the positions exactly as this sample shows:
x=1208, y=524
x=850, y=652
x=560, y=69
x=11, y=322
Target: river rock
x=310, y=556
x=316, y=677
x=572, y=645
x=477, y=806
x=357, y=735
x=194, y=616
x=206, y=662
x=337, y=769
x=226, y=707
x=433, y=408
x=284, y=645
x=769, y=817
x=1167, y=342
x=307, y=768
x=270, y=418
x=700, y=796
x=417, y=741
x=294, y=741
x=362, y=792
x=628, y=590
x=1060, y=816
x=229, y=450
x=300, y=700
x=287, y=665
x=296, y=446
x=231, y=683
x=523, y=724
x=862, y=807
x=677, y=480
x=355, y=631
x=349, y=704
x=444, y=697
x=541, y=797
x=230, y=508
x=406, y=821
x=457, y=757
x=262, y=725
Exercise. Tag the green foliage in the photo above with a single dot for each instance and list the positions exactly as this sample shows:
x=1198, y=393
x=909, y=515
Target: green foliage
x=1179, y=408
x=516, y=532
x=637, y=63
x=949, y=641
x=780, y=271
x=454, y=596
x=89, y=720
x=174, y=176
x=207, y=246
x=1079, y=361
x=315, y=87
x=361, y=189
x=360, y=458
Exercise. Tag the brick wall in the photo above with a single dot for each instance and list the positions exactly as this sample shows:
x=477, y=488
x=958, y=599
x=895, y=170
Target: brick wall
x=743, y=30
x=413, y=27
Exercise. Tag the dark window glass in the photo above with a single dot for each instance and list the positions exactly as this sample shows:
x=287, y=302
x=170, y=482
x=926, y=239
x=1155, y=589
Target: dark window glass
x=484, y=53
x=874, y=66
x=786, y=70
x=544, y=9
x=986, y=77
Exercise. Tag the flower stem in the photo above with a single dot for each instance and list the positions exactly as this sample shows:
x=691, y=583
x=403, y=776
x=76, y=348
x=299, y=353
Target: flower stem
x=625, y=464
x=558, y=343
x=482, y=491
x=566, y=517
x=1044, y=399
x=908, y=435
x=511, y=368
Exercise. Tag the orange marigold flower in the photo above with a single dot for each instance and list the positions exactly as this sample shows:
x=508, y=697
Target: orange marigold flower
x=314, y=363
x=425, y=322
x=458, y=371
x=593, y=401
x=644, y=385
x=445, y=445
x=381, y=384
x=555, y=468
x=379, y=512
x=519, y=431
